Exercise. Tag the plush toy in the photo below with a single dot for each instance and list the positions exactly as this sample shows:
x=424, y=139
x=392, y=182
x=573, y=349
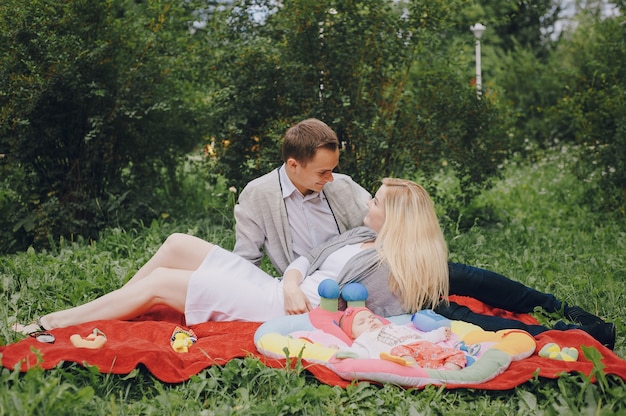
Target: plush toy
x=428, y=320
x=355, y=294
x=182, y=339
x=329, y=294
x=555, y=352
x=93, y=341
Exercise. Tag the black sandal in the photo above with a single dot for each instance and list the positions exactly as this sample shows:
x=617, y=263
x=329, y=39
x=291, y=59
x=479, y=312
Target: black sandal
x=41, y=334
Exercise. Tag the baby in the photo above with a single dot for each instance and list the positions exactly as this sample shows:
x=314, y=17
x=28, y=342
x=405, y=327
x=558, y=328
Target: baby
x=374, y=338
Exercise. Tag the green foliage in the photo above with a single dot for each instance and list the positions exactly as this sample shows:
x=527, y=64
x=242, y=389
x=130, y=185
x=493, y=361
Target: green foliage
x=574, y=95
x=528, y=89
x=466, y=136
x=13, y=207
x=95, y=112
x=27, y=395
x=593, y=108
x=511, y=24
x=370, y=69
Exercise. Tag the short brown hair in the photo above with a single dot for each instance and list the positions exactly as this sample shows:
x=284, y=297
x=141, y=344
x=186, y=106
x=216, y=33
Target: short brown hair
x=303, y=139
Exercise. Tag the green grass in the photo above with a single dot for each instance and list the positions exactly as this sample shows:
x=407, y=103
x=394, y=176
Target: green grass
x=538, y=233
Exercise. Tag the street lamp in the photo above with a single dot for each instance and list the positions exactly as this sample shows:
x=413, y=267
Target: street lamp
x=478, y=30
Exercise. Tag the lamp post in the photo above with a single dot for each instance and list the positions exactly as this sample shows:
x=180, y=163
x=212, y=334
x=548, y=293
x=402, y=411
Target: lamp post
x=478, y=30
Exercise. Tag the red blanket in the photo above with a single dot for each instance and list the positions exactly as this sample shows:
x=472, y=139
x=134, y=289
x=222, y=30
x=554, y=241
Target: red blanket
x=146, y=341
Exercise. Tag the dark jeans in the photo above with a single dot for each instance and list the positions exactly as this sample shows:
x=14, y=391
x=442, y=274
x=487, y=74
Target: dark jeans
x=497, y=291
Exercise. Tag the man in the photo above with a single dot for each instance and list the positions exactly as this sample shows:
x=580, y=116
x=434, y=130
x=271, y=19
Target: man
x=301, y=204
x=292, y=209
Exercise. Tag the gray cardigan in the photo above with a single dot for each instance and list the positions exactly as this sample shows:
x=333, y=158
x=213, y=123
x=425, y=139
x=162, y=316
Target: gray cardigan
x=365, y=268
x=262, y=222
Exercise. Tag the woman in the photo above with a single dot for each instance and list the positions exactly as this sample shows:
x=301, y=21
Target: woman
x=225, y=287
x=403, y=260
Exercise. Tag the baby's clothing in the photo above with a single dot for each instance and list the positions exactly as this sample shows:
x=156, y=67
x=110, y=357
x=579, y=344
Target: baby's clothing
x=429, y=355
x=401, y=340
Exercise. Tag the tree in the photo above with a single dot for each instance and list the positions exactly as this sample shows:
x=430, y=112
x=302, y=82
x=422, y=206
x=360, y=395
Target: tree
x=95, y=111
x=359, y=66
x=591, y=110
x=529, y=24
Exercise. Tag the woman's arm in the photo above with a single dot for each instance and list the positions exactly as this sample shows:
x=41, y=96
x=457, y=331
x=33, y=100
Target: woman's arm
x=296, y=301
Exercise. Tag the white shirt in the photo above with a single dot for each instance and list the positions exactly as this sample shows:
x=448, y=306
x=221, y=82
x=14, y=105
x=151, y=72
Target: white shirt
x=329, y=269
x=311, y=220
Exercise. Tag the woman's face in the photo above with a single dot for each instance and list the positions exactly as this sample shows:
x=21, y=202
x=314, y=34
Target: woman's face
x=375, y=217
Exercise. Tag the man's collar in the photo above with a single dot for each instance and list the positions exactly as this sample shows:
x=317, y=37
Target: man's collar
x=287, y=186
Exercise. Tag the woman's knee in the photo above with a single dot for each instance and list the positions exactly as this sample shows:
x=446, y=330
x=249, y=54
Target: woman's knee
x=180, y=245
x=176, y=241
x=165, y=285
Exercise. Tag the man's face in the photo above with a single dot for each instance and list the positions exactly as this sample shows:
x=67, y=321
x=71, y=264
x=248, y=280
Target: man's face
x=314, y=175
x=365, y=321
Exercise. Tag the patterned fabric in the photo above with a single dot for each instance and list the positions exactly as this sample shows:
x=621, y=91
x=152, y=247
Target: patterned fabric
x=429, y=355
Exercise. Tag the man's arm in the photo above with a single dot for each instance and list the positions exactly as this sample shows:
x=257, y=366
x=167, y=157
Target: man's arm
x=249, y=235
x=262, y=226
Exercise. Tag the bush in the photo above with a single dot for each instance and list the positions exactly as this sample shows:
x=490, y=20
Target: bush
x=593, y=108
x=95, y=113
x=575, y=96
x=14, y=197
x=361, y=68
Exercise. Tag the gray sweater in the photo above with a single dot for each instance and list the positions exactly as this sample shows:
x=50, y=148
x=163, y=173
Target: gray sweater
x=262, y=222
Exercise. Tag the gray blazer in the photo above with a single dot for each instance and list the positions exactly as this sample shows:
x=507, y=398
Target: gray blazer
x=262, y=222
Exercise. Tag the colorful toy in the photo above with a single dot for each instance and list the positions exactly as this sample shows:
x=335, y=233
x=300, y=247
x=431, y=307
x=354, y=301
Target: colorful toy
x=182, y=339
x=93, y=341
x=552, y=350
x=427, y=320
x=355, y=294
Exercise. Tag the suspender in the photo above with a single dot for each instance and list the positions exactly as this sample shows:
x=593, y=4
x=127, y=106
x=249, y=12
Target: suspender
x=332, y=212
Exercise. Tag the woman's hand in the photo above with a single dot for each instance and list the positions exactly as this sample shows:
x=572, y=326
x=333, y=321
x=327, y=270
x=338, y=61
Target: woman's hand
x=296, y=301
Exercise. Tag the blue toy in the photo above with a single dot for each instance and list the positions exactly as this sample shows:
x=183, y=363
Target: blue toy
x=355, y=294
x=427, y=320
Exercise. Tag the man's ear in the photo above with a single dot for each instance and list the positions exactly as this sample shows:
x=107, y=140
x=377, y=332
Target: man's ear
x=292, y=163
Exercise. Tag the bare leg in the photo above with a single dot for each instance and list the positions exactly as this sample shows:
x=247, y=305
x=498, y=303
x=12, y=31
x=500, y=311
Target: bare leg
x=161, y=287
x=179, y=251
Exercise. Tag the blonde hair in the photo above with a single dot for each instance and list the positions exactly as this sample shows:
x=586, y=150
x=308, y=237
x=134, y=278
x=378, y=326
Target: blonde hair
x=412, y=245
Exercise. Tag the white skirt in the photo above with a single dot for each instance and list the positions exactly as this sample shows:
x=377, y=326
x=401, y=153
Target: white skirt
x=227, y=287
